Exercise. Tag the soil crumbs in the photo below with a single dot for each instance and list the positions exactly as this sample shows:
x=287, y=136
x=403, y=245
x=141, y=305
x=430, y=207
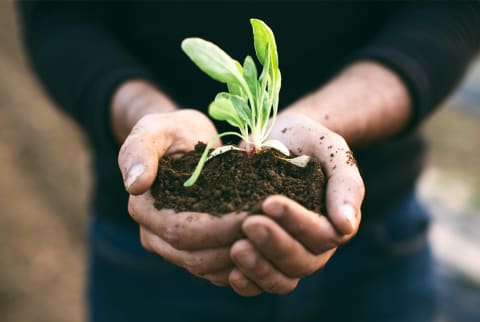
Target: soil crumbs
x=234, y=182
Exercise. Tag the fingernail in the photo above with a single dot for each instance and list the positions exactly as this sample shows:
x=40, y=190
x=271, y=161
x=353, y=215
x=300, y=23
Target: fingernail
x=349, y=213
x=132, y=176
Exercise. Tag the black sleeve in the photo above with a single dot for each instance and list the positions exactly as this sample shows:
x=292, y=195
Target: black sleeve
x=429, y=45
x=80, y=62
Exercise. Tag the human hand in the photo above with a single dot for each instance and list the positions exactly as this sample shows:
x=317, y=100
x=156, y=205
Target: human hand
x=156, y=135
x=197, y=242
x=289, y=241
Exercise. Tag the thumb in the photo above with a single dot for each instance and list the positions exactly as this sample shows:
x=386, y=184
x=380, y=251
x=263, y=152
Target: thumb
x=138, y=162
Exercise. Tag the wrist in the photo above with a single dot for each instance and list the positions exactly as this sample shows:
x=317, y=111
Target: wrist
x=364, y=103
x=131, y=101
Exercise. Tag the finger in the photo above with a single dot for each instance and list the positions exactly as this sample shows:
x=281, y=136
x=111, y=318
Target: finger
x=344, y=196
x=345, y=188
x=312, y=230
x=242, y=285
x=186, y=230
x=139, y=155
x=219, y=278
x=279, y=248
x=199, y=262
x=257, y=269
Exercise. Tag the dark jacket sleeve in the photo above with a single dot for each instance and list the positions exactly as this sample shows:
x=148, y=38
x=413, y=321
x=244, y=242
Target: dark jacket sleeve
x=73, y=50
x=429, y=45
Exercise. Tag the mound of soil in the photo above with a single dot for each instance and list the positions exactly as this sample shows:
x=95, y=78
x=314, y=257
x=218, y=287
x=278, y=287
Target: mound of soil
x=235, y=182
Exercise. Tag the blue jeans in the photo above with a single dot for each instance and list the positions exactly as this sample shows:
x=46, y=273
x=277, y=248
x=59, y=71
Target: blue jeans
x=384, y=274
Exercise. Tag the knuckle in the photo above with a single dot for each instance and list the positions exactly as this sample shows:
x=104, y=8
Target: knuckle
x=304, y=228
x=144, y=124
x=172, y=235
x=132, y=210
x=274, y=287
x=361, y=187
x=124, y=148
x=357, y=184
x=193, y=264
x=127, y=146
x=122, y=158
x=281, y=287
x=346, y=238
x=248, y=290
x=216, y=280
x=309, y=269
x=320, y=248
x=322, y=245
x=338, y=139
x=262, y=270
x=219, y=283
x=145, y=240
x=288, y=287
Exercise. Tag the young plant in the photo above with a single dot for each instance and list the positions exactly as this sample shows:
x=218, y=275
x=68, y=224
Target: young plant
x=251, y=103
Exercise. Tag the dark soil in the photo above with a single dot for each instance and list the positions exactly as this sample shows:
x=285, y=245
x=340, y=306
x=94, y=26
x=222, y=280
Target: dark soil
x=234, y=182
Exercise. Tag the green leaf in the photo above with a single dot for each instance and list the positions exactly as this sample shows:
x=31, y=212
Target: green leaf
x=266, y=110
x=266, y=50
x=222, y=109
x=239, y=66
x=265, y=70
x=236, y=89
x=212, y=60
x=265, y=92
x=250, y=74
x=263, y=35
x=240, y=106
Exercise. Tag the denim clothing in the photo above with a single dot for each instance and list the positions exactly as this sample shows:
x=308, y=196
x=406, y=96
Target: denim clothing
x=385, y=274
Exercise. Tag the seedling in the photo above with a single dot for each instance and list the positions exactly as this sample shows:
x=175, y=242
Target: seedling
x=251, y=103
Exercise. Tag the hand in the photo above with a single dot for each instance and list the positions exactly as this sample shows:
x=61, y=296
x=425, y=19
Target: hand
x=197, y=242
x=158, y=134
x=289, y=241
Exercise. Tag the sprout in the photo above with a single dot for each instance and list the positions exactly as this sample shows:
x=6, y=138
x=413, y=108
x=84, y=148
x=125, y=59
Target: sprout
x=251, y=103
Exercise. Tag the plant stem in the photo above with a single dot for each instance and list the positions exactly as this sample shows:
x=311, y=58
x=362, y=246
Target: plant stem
x=194, y=177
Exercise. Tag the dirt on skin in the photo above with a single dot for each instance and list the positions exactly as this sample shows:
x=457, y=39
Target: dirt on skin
x=234, y=182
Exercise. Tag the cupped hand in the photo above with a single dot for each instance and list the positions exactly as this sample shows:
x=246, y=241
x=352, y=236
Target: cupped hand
x=158, y=134
x=197, y=242
x=289, y=241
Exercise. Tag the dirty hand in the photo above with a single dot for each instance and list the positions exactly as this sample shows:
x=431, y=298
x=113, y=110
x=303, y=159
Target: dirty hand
x=289, y=241
x=197, y=242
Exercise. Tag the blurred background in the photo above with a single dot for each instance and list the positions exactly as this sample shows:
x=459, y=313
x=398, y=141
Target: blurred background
x=44, y=187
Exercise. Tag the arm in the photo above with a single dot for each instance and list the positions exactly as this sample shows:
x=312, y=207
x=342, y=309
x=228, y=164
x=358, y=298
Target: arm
x=388, y=88
x=365, y=103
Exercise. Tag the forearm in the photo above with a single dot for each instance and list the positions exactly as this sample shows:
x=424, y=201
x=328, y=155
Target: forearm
x=366, y=102
x=133, y=100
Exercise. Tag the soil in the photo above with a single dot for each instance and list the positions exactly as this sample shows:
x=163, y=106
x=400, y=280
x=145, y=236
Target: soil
x=234, y=182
